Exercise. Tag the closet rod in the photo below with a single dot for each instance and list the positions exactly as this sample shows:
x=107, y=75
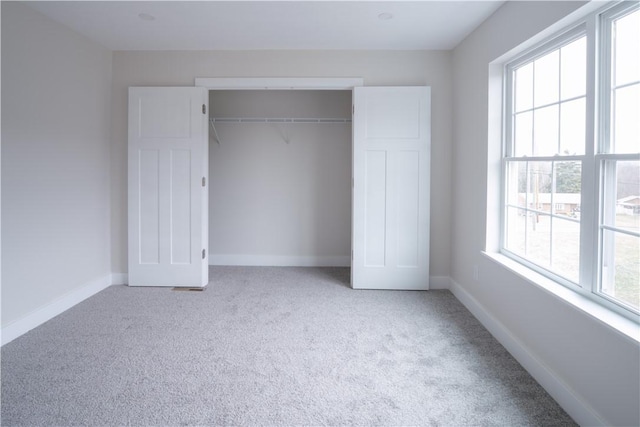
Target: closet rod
x=276, y=120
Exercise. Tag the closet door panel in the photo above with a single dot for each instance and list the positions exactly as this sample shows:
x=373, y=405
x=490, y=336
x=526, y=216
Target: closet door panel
x=149, y=221
x=375, y=208
x=391, y=155
x=180, y=200
x=408, y=208
x=168, y=208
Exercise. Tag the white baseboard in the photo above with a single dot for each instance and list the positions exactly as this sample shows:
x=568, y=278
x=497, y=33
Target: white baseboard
x=52, y=309
x=566, y=397
x=439, y=282
x=281, y=260
x=119, y=278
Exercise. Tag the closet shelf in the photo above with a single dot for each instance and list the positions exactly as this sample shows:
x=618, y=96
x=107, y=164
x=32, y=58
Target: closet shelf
x=276, y=120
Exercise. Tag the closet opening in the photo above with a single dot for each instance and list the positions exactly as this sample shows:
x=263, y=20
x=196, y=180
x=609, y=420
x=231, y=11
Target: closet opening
x=280, y=177
x=292, y=181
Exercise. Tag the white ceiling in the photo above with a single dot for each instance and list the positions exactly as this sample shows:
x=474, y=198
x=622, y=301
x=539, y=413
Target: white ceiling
x=242, y=25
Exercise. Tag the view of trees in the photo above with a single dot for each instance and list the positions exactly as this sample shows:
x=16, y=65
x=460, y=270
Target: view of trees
x=628, y=177
x=568, y=177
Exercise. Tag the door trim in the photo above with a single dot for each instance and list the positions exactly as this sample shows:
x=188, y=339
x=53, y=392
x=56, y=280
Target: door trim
x=286, y=83
x=279, y=83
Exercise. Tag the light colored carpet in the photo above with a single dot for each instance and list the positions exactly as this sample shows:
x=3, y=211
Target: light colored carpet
x=268, y=346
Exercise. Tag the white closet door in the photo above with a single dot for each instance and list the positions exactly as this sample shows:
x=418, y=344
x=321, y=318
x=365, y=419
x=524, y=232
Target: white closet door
x=391, y=165
x=168, y=169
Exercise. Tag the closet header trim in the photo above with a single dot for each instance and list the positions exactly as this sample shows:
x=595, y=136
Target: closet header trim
x=279, y=83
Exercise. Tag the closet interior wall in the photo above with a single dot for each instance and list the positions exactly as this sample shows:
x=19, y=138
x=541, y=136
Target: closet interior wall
x=280, y=193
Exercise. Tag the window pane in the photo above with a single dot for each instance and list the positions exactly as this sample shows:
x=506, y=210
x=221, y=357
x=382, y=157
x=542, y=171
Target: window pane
x=621, y=209
x=572, y=127
x=621, y=267
x=626, y=47
x=626, y=120
x=627, y=195
x=539, y=239
x=545, y=131
x=512, y=183
x=524, y=87
x=517, y=184
x=538, y=186
x=523, y=134
x=568, y=182
x=539, y=180
x=515, y=231
x=546, y=79
x=573, y=77
x=566, y=248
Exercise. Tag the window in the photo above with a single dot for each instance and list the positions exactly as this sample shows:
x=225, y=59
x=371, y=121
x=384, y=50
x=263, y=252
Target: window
x=571, y=158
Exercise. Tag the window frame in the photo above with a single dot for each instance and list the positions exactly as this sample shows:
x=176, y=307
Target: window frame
x=603, y=155
x=596, y=27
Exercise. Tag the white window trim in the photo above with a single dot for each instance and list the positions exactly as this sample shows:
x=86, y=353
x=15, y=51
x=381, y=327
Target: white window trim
x=597, y=305
x=602, y=154
x=561, y=38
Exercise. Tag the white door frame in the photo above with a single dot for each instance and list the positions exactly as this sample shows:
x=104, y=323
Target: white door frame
x=285, y=83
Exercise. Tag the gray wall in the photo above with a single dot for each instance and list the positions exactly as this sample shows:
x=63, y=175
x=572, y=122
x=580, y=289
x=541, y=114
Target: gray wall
x=598, y=364
x=376, y=67
x=276, y=201
x=56, y=97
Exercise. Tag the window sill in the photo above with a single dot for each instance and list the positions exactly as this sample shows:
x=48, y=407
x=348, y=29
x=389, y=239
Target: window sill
x=615, y=321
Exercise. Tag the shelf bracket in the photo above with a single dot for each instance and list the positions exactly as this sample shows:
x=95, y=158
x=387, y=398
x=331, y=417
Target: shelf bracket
x=215, y=133
x=283, y=133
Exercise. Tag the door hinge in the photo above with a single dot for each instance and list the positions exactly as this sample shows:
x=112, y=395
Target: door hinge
x=353, y=109
x=351, y=254
x=204, y=109
x=204, y=181
x=203, y=254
